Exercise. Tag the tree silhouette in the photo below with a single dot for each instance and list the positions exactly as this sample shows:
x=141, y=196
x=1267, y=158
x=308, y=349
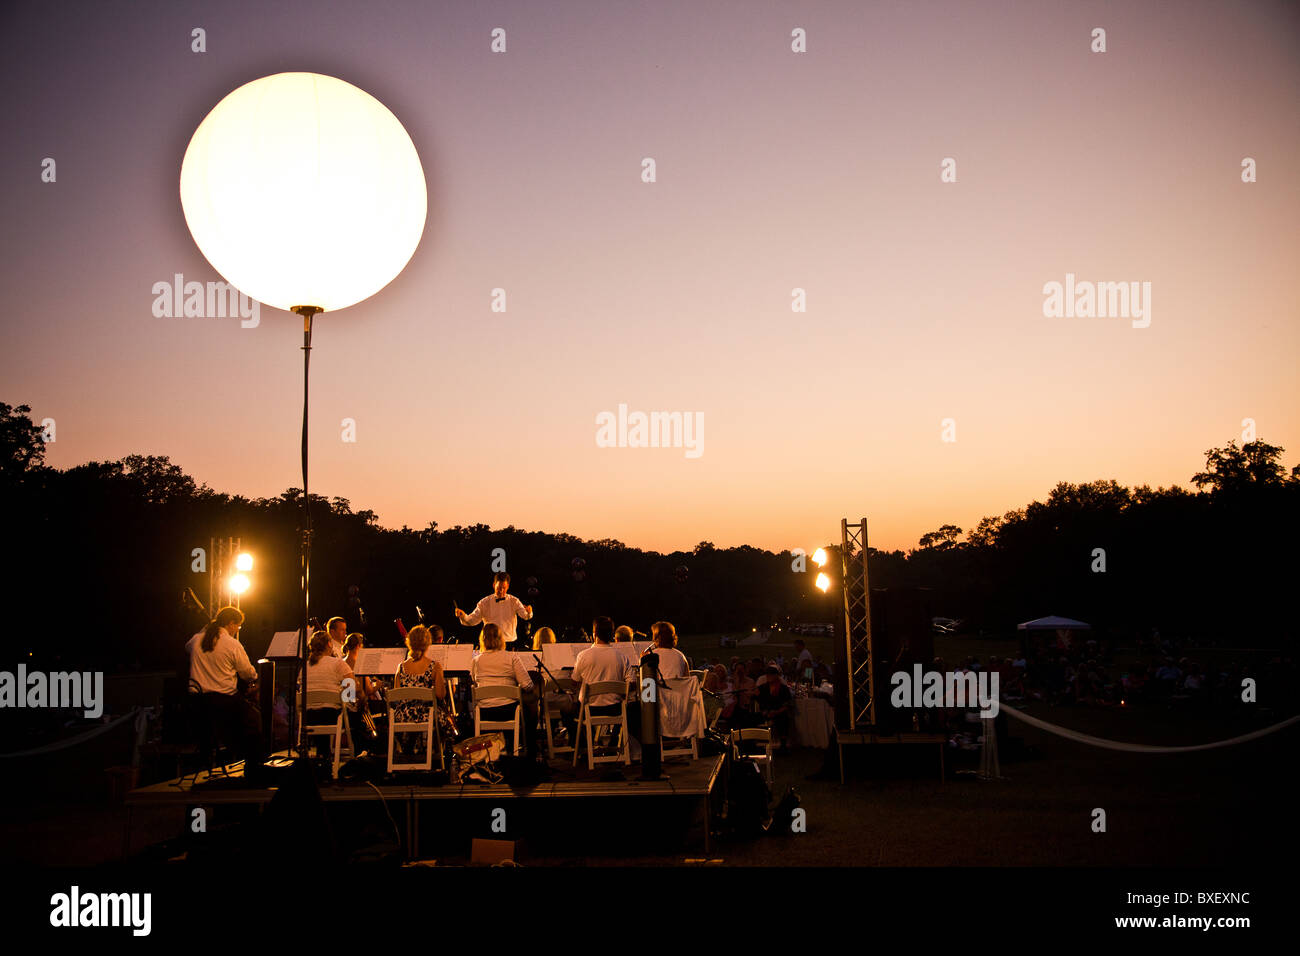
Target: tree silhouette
x=22, y=444
x=1231, y=469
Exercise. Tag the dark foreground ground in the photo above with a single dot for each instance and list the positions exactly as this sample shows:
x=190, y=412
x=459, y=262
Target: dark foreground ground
x=1222, y=807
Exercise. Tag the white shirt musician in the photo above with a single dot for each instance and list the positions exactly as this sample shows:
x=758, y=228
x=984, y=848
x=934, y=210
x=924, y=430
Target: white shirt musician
x=601, y=663
x=500, y=608
x=216, y=668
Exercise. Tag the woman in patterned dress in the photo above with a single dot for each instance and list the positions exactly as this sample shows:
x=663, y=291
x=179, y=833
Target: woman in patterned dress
x=418, y=671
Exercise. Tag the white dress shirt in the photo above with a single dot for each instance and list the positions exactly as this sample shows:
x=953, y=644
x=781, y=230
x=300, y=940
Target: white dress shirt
x=217, y=671
x=501, y=612
x=600, y=662
x=494, y=668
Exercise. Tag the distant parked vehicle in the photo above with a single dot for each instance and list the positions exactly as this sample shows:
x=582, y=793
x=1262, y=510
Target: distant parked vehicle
x=815, y=630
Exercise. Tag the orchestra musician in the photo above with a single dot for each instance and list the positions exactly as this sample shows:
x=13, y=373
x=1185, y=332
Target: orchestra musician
x=368, y=689
x=325, y=672
x=544, y=635
x=217, y=662
x=672, y=662
x=417, y=671
x=500, y=608
x=494, y=667
x=338, y=630
x=602, y=662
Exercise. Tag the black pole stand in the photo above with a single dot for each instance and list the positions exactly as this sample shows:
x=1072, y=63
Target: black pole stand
x=297, y=713
x=651, y=755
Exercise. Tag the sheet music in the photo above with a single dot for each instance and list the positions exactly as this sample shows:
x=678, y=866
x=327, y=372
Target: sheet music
x=558, y=656
x=452, y=657
x=379, y=661
x=283, y=644
x=526, y=658
x=631, y=651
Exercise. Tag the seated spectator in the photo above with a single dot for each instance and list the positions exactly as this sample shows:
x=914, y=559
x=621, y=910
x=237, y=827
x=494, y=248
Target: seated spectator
x=715, y=681
x=740, y=713
x=776, y=704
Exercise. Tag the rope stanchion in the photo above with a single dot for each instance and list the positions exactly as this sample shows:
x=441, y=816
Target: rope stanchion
x=1141, y=748
x=72, y=741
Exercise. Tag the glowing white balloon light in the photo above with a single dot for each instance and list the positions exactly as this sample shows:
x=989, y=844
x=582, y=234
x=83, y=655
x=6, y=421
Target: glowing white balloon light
x=301, y=189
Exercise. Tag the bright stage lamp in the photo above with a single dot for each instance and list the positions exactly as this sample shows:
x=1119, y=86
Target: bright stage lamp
x=301, y=189
x=244, y=562
x=239, y=583
x=823, y=582
x=819, y=557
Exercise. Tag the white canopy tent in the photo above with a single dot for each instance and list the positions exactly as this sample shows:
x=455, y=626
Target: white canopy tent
x=1053, y=623
x=1063, y=627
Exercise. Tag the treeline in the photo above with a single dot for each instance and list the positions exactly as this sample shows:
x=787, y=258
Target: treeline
x=99, y=555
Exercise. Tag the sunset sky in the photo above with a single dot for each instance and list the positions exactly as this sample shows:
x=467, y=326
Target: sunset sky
x=776, y=170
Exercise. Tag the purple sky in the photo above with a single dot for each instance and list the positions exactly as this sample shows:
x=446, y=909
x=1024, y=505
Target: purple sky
x=776, y=170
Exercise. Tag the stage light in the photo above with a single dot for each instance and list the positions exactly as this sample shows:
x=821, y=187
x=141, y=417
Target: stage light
x=301, y=189
x=823, y=582
x=244, y=562
x=239, y=583
x=819, y=557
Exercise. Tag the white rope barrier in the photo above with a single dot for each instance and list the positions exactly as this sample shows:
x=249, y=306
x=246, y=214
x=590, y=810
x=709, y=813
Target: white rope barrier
x=1141, y=748
x=72, y=741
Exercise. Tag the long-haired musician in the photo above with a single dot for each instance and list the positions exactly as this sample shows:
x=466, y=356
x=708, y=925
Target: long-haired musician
x=543, y=635
x=325, y=672
x=352, y=648
x=217, y=661
x=368, y=689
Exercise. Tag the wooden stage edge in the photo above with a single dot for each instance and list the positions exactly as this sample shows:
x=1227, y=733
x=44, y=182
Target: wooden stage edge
x=694, y=780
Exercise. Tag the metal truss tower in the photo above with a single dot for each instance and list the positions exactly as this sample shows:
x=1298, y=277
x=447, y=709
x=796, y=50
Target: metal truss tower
x=857, y=625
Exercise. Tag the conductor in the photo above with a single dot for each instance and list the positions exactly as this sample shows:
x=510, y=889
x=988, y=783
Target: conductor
x=500, y=608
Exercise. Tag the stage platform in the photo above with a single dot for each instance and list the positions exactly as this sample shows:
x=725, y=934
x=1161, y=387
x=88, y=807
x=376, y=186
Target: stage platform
x=866, y=737
x=694, y=780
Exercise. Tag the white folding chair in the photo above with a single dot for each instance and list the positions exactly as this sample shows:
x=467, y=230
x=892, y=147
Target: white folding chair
x=686, y=747
x=339, y=732
x=588, y=720
x=516, y=723
x=397, y=695
x=559, y=686
x=764, y=734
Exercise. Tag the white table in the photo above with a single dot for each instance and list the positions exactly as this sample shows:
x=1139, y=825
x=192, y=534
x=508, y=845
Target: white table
x=814, y=720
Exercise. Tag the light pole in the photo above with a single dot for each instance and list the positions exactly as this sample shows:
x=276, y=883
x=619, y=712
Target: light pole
x=304, y=155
